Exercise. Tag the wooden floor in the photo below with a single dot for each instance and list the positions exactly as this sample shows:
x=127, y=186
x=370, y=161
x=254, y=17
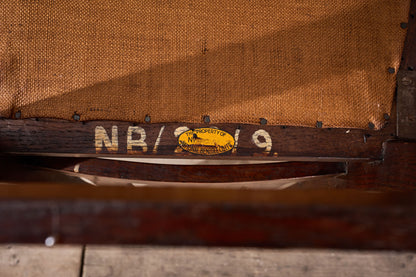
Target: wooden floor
x=37, y=260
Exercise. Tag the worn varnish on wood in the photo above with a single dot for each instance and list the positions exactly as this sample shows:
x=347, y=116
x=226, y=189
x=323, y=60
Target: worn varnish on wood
x=181, y=173
x=178, y=216
x=108, y=138
x=406, y=104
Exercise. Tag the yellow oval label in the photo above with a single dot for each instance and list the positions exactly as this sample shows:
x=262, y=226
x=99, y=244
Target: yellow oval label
x=206, y=141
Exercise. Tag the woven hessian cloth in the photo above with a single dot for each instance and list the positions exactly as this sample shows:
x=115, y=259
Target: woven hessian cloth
x=290, y=62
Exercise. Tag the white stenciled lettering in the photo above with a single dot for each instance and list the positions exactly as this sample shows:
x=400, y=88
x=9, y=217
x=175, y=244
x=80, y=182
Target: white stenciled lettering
x=101, y=138
x=177, y=133
x=236, y=136
x=136, y=142
x=266, y=144
x=158, y=139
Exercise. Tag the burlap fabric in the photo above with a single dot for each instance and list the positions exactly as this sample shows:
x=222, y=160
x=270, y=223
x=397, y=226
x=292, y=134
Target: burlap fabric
x=291, y=62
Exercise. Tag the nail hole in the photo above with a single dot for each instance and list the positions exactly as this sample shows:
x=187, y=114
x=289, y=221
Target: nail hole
x=319, y=124
x=410, y=68
x=283, y=127
x=18, y=114
x=147, y=118
x=386, y=116
x=263, y=121
x=76, y=117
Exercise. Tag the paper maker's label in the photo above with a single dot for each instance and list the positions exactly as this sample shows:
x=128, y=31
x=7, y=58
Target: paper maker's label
x=206, y=141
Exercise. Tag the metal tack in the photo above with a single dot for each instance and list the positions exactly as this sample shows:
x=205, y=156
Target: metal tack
x=371, y=125
x=207, y=119
x=391, y=70
x=319, y=124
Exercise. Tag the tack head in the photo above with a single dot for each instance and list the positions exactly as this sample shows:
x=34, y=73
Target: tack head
x=207, y=119
x=319, y=124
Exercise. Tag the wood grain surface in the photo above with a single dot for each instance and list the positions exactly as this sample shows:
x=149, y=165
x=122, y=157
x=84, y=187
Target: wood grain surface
x=186, y=216
x=36, y=260
x=406, y=104
x=69, y=138
x=40, y=261
x=181, y=173
x=244, y=262
x=397, y=170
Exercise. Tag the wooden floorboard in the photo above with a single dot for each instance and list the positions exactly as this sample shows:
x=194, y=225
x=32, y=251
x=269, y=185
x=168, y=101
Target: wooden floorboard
x=165, y=261
x=98, y=261
x=40, y=261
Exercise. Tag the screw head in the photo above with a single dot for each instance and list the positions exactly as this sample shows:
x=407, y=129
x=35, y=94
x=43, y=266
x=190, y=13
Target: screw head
x=386, y=116
x=391, y=70
x=147, y=118
x=76, y=117
x=319, y=124
x=18, y=114
x=403, y=25
x=207, y=119
x=263, y=121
